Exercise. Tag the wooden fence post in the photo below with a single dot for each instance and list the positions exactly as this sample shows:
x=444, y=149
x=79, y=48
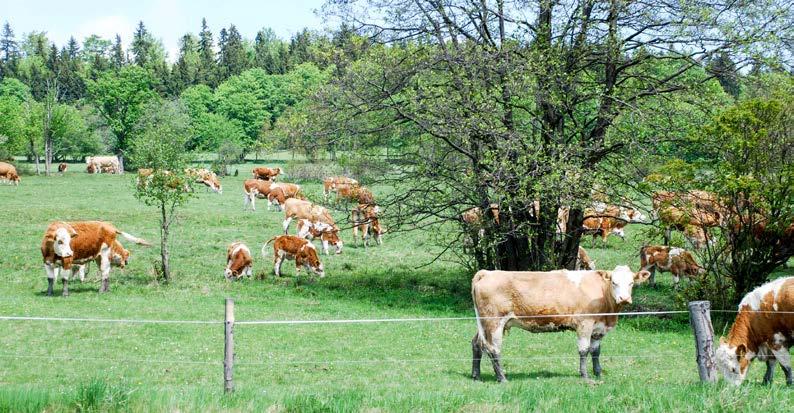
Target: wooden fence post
x=228, y=348
x=700, y=319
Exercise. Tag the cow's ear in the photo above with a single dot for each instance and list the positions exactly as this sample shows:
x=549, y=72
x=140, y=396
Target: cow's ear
x=606, y=275
x=741, y=350
x=642, y=276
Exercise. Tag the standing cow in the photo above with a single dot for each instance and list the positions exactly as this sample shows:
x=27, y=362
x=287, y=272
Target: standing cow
x=300, y=209
x=669, y=259
x=763, y=330
x=294, y=248
x=548, y=301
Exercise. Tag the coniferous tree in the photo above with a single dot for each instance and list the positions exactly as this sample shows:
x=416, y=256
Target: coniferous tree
x=71, y=84
x=141, y=45
x=299, y=48
x=207, y=67
x=723, y=67
x=233, y=59
x=9, y=51
x=223, y=37
x=117, y=54
x=186, y=68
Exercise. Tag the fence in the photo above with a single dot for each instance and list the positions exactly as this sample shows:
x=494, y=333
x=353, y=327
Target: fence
x=699, y=316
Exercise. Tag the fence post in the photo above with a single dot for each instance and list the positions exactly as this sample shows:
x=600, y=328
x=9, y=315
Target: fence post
x=228, y=348
x=700, y=319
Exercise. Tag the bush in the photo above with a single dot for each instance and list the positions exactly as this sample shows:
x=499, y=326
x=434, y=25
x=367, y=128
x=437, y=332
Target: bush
x=303, y=172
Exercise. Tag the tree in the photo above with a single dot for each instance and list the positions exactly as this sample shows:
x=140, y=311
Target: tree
x=9, y=52
x=120, y=97
x=141, y=45
x=117, y=58
x=725, y=69
x=270, y=53
x=187, y=65
x=233, y=59
x=207, y=73
x=510, y=109
x=159, y=144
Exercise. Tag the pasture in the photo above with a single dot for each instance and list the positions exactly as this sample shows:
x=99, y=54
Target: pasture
x=409, y=366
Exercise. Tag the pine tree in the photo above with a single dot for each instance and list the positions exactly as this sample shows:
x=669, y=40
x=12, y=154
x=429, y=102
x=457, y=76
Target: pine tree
x=9, y=51
x=117, y=54
x=223, y=38
x=141, y=45
x=52, y=63
x=233, y=60
x=724, y=69
x=73, y=49
x=207, y=67
x=186, y=67
x=299, y=48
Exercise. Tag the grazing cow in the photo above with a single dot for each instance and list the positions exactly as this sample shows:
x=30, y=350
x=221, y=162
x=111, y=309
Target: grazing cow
x=62, y=167
x=206, y=177
x=280, y=192
x=354, y=193
x=300, y=209
x=265, y=173
x=255, y=188
x=548, y=301
x=102, y=164
x=669, y=259
x=329, y=235
x=238, y=261
x=330, y=184
x=294, y=248
x=763, y=329
x=365, y=218
x=583, y=261
x=8, y=173
x=66, y=243
x=119, y=257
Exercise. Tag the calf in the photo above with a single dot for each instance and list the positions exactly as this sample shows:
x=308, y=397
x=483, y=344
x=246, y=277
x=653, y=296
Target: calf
x=8, y=173
x=583, y=261
x=548, y=301
x=365, y=218
x=354, y=193
x=763, y=329
x=669, y=259
x=294, y=248
x=329, y=235
x=300, y=209
x=66, y=243
x=99, y=164
x=252, y=189
x=238, y=261
x=265, y=173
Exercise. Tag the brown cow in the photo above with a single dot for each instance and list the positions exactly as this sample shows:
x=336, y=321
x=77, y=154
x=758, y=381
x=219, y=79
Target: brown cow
x=669, y=259
x=294, y=248
x=328, y=235
x=330, y=184
x=252, y=189
x=8, y=173
x=679, y=210
x=354, y=193
x=62, y=167
x=280, y=192
x=365, y=218
x=66, y=243
x=238, y=261
x=300, y=209
x=583, y=261
x=265, y=173
x=545, y=302
x=763, y=329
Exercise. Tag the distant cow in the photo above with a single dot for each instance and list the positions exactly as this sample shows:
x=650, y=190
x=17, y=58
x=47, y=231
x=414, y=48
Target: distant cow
x=294, y=248
x=205, y=177
x=252, y=189
x=265, y=173
x=300, y=209
x=62, y=167
x=680, y=210
x=8, y=173
x=119, y=257
x=669, y=259
x=365, y=219
x=238, y=261
x=328, y=235
x=67, y=243
x=763, y=330
x=331, y=184
x=102, y=164
x=583, y=261
x=545, y=302
x=354, y=193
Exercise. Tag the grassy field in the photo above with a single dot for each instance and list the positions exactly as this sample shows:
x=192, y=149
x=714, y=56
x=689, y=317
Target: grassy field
x=418, y=366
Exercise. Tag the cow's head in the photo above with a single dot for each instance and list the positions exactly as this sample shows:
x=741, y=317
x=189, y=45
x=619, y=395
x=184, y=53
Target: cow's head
x=120, y=257
x=310, y=259
x=619, y=230
x=62, y=241
x=622, y=281
x=331, y=236
x=733, y=361
x=14, y=178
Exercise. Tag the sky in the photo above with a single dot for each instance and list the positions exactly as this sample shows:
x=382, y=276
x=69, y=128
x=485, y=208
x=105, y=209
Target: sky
x=167, y=20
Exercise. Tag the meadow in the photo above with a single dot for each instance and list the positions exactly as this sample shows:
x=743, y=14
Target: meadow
x=649, y=362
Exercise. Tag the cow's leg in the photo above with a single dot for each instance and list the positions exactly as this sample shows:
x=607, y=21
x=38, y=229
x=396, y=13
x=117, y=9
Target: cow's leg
x=676, y=279
x=50, y=269
x=782, y=355
x=355, y=234
x=277, y=264
x=595, y=352
x=365, y=235
x=494, y=349
x=104, y=267
x=325, y=247
x=246, y=201
x=584, y=332
x=64, y=280
x=652, y=279
x=770, y=370
x=476, y=356
x=286, y=224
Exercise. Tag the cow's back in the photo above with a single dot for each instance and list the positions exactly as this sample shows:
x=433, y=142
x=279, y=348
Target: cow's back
x=7, y=169
x=91, y=236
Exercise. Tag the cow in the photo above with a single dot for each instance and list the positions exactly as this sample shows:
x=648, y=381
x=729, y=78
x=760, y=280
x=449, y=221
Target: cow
x=669, y=259
x=252, y=189
x=66, y=243
x=365, y=218
x=238, y=261
x=265, y=173
x=294, y=248
x=8, y=173
x=62, y=167
x=91, y=168
x=354, y=193
x=280, y=192
x=206, y=177
x=331, y=183
x=328, y=235
x=763, y=330
x=300, y=209
x=583, y=301
x=679, y=210
x=119, y=257
x=583, y=260
x=100, y=164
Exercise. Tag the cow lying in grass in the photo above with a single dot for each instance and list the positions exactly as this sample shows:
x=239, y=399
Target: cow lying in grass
x=294, y=248
x=548, y=301
x=763, y=330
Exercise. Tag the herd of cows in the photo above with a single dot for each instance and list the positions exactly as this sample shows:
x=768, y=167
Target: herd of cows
x=584, y=300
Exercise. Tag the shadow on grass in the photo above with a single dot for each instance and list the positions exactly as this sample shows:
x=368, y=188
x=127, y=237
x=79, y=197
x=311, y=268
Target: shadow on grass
x=517, y=376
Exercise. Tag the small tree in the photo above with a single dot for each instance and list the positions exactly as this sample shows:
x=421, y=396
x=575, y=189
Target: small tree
x=160, y=145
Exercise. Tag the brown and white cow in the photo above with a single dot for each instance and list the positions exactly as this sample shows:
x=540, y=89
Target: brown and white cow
x=255, y=188
x=119, y=257
x=294, y=248
x=680, y=210
x=331, y=184
x=102, y=164
x=583, y=261
x=299, y=209
x=328, y=235
x=62, y=167
x=205, y=177
x=67, y=243
x=265, y=173
x=354, y=193
x=238, y=261
x=280, y=192
x=8, y=173
x=669, y=259
x=545, y=302
x=365, y=219
x=763, y=330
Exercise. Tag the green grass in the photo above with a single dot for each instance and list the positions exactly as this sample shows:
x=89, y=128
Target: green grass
x=76, y=366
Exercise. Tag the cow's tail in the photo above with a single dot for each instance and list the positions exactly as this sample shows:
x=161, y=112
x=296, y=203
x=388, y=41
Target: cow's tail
x=130, y=237
x=480, y=330
x=264, y=247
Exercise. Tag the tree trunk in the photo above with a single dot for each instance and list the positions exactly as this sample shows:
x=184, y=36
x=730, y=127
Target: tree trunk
x=164, y=223
x=120, y=156
x=38, y=168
